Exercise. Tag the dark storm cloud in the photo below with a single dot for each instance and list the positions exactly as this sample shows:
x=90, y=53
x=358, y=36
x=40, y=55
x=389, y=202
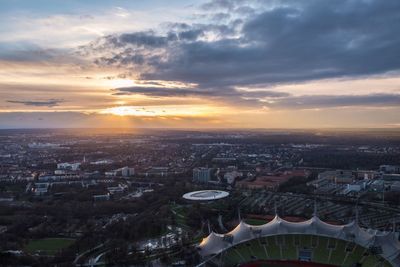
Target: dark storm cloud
x=211, y=92
x=38, y=103
x=157, y=91
x=139, y=39
x=283, y=42
x=303, y=41
x=190, y=34
x=289, y=44
x=126, y=57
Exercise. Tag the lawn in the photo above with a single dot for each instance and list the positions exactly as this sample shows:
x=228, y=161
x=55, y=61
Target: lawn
x=255, y=221
x=48, y=246
x=180, y=215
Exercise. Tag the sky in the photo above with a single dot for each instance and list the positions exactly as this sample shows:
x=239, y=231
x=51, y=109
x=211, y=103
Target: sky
x=200, y=64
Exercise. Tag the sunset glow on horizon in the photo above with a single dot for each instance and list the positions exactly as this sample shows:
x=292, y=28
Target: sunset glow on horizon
x=243, y=64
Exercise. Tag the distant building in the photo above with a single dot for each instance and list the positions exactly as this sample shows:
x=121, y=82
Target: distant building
x=121, y=188
x=391, y=177
x=116, y=189
x=47, y=178
x=40, y=189
x=357, y=187
x=395, y=186
x=366, y=175
x=101, y=197
x=43, y=145
x=4, y=197
x=124, y=172
x=60, y=172
x=320, y=182
x=389, y=168
x=337, y=176
x=102, y=162
x=69, y=166
x=231, y=168
x=231, y=176
x=201, y=175
x=158, y=171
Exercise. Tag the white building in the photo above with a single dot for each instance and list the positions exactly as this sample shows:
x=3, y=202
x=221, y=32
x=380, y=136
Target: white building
x=40, y=188
x=69, y=166
x=231, y=176
x=116, y=189
x=354, y=187
x=124, y=172
x=60, y=172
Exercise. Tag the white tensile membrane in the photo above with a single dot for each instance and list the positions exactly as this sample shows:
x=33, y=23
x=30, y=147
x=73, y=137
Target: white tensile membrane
x=216, y=243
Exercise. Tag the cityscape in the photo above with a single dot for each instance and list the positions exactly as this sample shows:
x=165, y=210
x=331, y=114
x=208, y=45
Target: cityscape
x=200, y=133
x=93, y=197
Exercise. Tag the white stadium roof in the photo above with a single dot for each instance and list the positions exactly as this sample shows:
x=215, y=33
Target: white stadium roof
x=352, y=232
x=205, y=195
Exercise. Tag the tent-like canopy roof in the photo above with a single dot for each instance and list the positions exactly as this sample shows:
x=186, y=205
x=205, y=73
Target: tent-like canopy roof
x=352, y=232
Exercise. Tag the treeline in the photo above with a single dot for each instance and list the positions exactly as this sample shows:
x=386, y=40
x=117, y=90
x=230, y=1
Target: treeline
x=348, y=160
x=297, y=184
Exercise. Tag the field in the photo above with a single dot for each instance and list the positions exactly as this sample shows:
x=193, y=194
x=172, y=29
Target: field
x=180, y=215
x=284, y=264
x=255, y=221
x=297, y=250
x=49, y=246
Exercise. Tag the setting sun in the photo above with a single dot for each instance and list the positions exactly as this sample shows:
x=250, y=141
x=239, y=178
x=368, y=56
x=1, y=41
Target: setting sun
x=125, y=111
x=69, y=65
x=160, y=111
x=116, y=83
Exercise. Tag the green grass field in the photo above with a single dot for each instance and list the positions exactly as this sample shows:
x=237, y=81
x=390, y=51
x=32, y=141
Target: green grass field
x=255, y=221
x=288, y=247
x=48, y=246
x=180, y=215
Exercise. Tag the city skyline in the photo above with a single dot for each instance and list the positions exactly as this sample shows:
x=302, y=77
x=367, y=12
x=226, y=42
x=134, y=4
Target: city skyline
x=200, y=64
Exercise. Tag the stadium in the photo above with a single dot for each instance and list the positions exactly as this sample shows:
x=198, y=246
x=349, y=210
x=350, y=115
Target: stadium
x=298, y=244
x=205, y=195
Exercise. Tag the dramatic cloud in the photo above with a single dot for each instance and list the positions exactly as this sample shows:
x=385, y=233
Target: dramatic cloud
x=181, y=92
x=291, y=41
x=38, y=103
x=28, y=52
x=249, y=62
